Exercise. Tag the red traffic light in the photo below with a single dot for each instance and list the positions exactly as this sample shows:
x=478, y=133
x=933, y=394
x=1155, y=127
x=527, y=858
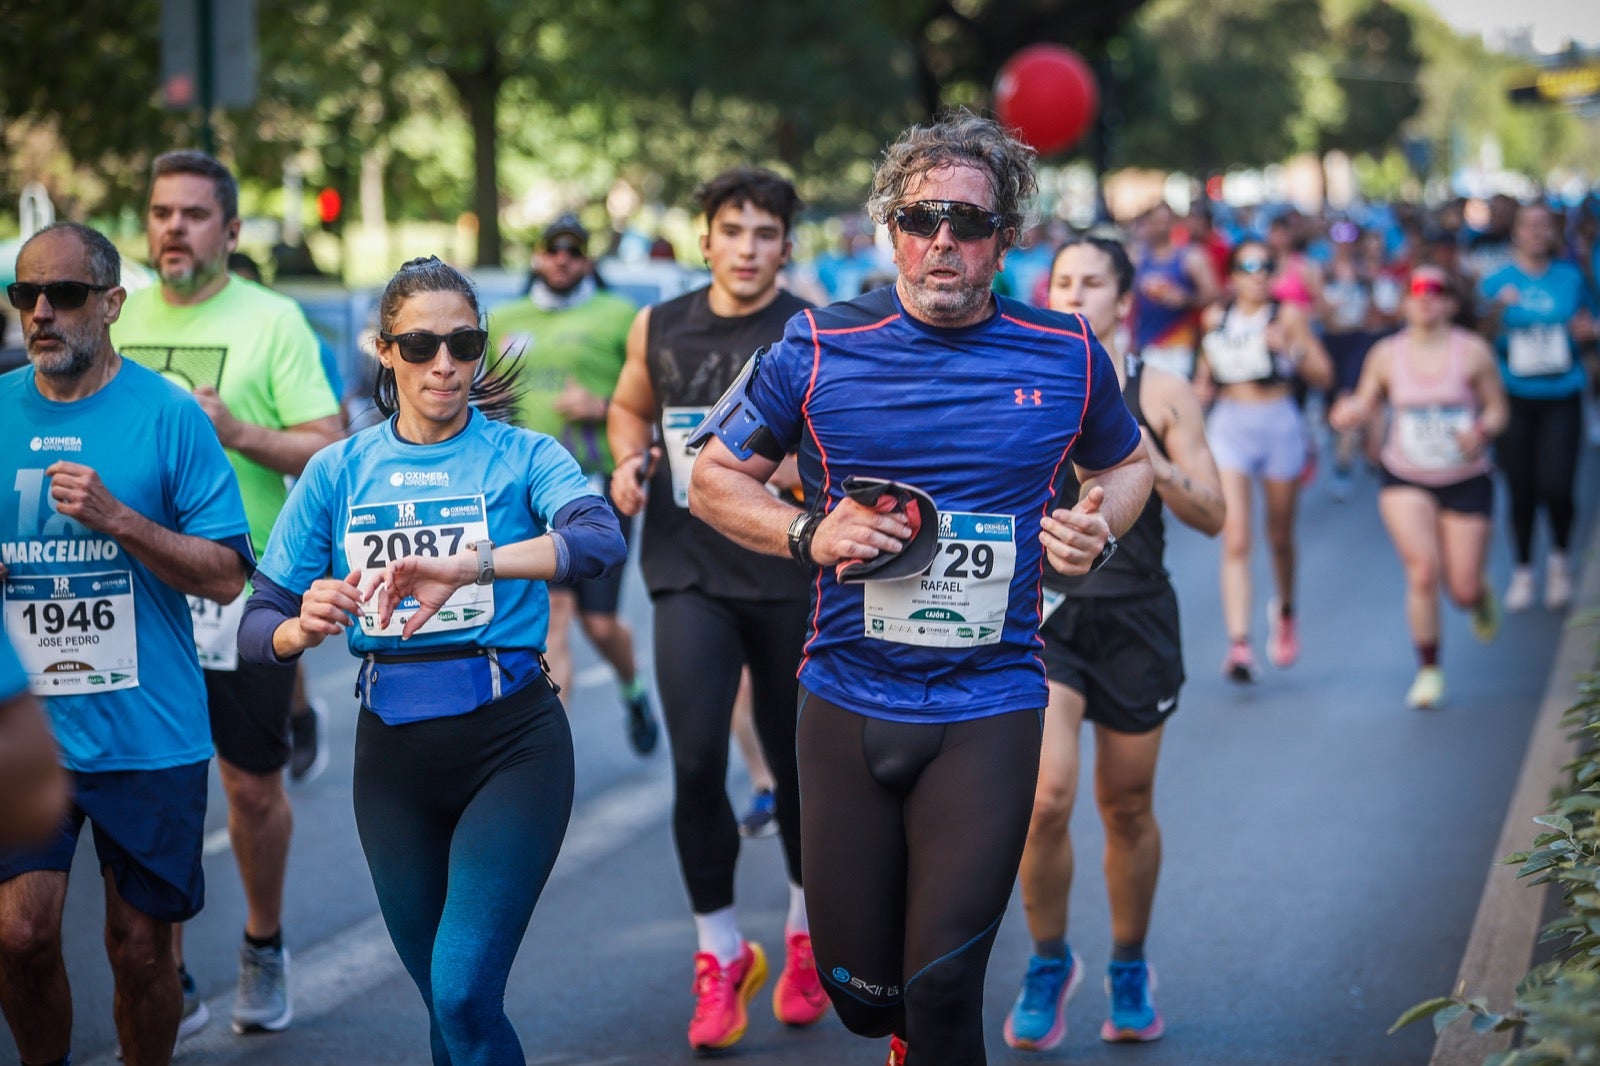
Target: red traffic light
x=329, y=205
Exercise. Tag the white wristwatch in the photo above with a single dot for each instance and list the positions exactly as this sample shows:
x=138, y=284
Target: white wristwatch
x=485, y=550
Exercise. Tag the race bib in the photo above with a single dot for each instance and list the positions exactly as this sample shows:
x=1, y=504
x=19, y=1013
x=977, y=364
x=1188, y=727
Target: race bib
x=677, y=426
x=216, y=631
x=960, y=601
x=1386, y=294
x=378, y=534
x=74, y=634
x=1534, y=351
x=1235, y=358
x=1347, y=303
x=1052, y=600
x=1429, y=436
x=1173, y=358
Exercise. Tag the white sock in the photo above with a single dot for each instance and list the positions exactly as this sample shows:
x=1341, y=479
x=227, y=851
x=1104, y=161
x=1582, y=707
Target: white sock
x=1555, y=561
x=797, y=921
x=719, y=935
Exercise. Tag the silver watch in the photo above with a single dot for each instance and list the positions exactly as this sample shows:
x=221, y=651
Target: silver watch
x=485, y=550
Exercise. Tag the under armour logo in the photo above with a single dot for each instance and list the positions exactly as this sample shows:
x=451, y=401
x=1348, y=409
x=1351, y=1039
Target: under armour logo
x=1023, y=394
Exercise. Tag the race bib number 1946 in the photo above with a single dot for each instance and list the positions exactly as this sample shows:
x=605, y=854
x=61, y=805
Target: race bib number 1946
x=74, y=633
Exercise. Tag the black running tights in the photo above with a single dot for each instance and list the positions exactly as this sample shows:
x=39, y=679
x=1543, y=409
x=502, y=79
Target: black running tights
x=1538, y=453
x=701, y=642
x=913, y=834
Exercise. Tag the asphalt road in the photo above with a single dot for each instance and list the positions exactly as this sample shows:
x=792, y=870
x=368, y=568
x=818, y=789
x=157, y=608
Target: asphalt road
x=1324, y=851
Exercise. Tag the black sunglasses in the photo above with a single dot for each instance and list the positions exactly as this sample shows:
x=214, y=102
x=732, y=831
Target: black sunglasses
x=968, y=222
x=63, y=295
x=421, y=346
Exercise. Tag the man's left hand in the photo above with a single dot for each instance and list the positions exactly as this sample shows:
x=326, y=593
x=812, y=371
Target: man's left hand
x=1074, y=539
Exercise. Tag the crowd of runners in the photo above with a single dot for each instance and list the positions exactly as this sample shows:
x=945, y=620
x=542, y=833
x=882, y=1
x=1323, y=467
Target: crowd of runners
x=913, y=538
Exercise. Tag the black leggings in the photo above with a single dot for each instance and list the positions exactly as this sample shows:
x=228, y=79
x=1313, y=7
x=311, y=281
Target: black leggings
x=701, y=642
x=913, y=835
x=461, y=819
x=1538, y=453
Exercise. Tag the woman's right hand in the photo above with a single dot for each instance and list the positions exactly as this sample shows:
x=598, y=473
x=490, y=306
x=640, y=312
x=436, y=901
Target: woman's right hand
x=329, y=607
x=1346, y=413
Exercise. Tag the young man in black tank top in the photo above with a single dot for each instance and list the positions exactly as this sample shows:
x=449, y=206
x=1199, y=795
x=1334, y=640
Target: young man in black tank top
x=718, y=606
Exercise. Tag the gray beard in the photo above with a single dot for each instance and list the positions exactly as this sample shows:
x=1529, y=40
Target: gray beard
x=74, y=365
x=947, y=304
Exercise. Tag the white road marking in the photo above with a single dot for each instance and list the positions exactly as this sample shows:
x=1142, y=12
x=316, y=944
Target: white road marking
x=361, y=958
x=215, y=843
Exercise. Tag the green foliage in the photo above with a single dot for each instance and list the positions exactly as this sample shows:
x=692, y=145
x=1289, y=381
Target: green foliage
x=1212, y=85
x=1464, y=101
x=1555, y=1006
x=465, y=104
x=1375, y=63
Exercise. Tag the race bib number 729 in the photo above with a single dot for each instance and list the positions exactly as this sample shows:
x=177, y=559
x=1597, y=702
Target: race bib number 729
x=960, y=601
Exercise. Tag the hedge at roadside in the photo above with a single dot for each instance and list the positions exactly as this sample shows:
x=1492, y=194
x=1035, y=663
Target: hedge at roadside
x=1557, y=1008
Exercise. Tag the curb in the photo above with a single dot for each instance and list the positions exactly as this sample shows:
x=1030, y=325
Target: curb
x=1506, y=928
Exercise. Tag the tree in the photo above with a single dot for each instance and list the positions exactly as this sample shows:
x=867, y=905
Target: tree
x=90, y=81
x=1208, y=85
x=962, y=44
x=1376, y=64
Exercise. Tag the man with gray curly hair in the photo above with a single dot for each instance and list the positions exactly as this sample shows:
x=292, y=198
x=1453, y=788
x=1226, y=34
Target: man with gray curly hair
x=932, y=419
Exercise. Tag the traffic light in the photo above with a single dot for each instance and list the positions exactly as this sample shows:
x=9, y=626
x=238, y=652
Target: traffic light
x=330, y=210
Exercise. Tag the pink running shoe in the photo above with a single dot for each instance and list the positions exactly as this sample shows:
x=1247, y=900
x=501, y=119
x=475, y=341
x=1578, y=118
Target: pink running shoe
x=798, y=998
x=1283, y=637
x=1240, y=663
x=721, y=994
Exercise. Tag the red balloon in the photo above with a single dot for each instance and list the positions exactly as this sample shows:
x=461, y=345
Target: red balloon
x=1046, y=94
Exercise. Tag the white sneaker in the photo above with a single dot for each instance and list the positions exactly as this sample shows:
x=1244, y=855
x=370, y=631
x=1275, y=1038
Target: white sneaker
x=1427, y=691
x=1557, y=583
x=1519, y=594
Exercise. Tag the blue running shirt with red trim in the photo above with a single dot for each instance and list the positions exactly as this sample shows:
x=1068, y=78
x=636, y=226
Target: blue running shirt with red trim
x=374, y=497
x=983, y=419
x=105, y=641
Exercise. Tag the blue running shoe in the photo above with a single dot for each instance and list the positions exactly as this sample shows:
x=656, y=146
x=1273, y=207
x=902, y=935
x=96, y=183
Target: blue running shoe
x=1038, y=1019
x=1134, y=1017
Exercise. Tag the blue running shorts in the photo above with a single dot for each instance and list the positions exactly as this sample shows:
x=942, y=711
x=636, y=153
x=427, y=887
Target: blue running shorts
x=148, y=827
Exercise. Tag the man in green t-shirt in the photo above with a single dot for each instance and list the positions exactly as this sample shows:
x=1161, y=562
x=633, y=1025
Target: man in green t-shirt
x=251, y=360
x=572, y=336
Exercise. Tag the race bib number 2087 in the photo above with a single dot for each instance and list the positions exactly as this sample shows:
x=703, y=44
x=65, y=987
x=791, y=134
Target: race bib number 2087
x=378, y=534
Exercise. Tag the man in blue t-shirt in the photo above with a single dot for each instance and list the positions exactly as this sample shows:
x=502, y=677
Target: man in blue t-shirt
x=100, y=541
x=922, y=696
